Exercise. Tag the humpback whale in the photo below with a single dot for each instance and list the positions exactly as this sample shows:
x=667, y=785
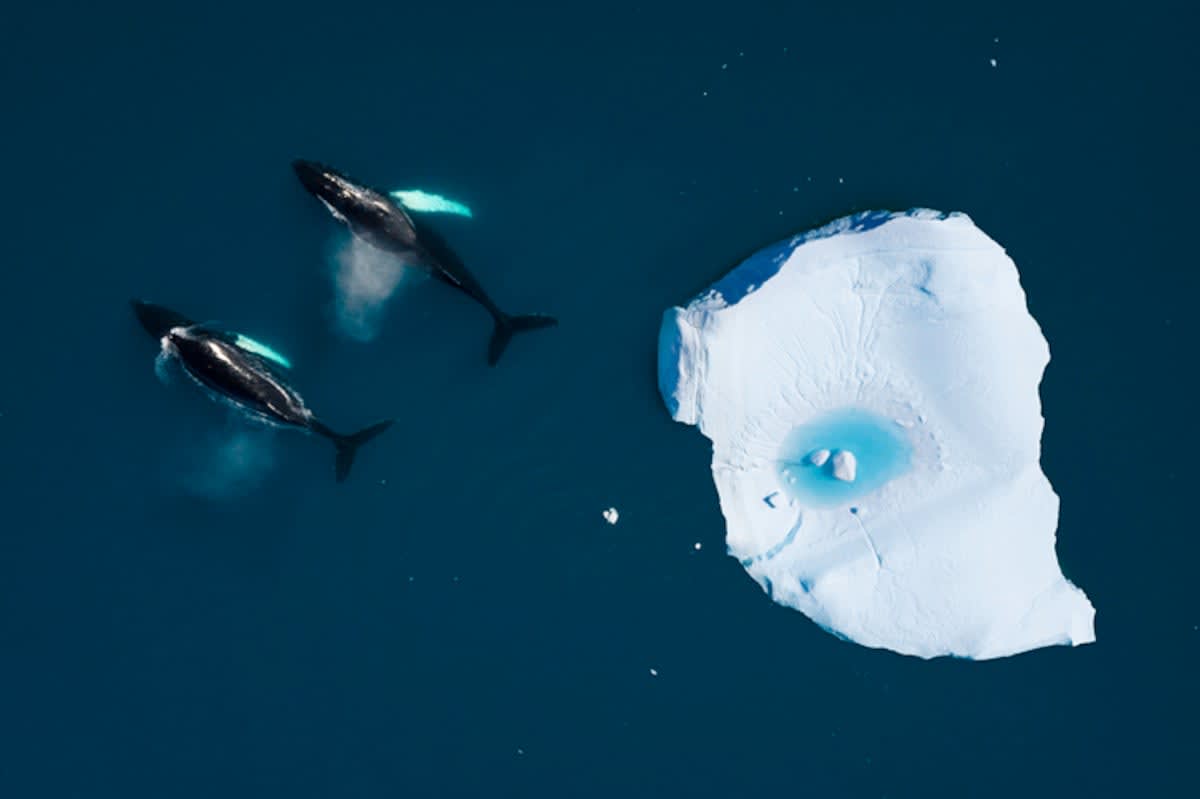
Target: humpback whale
x=375, y=218
x=246, y=374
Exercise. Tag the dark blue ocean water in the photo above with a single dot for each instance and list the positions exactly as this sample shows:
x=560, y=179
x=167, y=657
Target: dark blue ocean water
x=457, y=619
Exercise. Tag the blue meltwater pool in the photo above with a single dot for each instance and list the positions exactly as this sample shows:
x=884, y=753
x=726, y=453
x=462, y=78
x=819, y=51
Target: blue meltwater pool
x=880, y=446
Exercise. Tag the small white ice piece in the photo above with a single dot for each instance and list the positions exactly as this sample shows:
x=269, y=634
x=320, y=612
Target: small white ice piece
x=993, y=62
x=653, y=672
x=696, y=546
x=611, y=515
x=845, y=466
x=818, y=457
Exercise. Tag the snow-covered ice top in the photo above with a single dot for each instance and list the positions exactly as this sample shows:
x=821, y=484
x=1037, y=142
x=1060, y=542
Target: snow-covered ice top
x=894, y=349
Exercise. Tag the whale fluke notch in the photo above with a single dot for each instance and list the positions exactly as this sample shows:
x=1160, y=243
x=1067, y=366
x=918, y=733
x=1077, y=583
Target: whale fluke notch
x=507, y=326
x=347, y=446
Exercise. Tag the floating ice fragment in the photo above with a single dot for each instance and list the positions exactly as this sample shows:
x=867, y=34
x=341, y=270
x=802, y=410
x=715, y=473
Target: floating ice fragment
x=905, y=340
x=845, y=466
x=697, y=546
x=611, y=515
x=818, y=457
x=993, y=62
x=653, y=672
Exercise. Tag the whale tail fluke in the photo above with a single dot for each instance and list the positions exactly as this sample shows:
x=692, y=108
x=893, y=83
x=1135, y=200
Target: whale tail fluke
x=347, y=446
x=507, y=326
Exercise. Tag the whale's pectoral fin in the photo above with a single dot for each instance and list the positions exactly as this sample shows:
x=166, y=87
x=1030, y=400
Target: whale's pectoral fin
x=417, y=200
x=507, y=326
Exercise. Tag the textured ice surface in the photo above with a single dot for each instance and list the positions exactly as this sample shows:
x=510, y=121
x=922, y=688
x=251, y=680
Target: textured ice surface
x=905, y=340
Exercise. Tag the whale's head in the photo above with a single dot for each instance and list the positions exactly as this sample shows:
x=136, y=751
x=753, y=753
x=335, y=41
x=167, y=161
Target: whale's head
x=345, y=199
x=157, y=320
x=317, y=178
x=192, y=346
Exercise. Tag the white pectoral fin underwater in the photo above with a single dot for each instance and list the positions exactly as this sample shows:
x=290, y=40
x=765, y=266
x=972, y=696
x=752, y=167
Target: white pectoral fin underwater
x=240, y=371
x=418, y=200
x=258, y=348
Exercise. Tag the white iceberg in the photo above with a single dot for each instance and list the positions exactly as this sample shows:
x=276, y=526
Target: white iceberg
x=905, y=340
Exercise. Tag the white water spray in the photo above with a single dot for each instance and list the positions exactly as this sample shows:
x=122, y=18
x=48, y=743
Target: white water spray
x=366, y=278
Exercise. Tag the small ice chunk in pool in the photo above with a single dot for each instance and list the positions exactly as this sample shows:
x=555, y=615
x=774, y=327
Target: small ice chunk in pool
x=845, y=466
x=818, y=457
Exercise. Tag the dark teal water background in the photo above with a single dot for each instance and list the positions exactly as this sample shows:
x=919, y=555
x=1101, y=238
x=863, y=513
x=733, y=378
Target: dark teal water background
x=457, y=620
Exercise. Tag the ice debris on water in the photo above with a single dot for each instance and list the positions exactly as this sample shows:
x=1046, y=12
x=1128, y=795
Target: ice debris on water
x=611, y=515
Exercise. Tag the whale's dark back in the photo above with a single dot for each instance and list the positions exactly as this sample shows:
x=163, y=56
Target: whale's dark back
x=239, y=376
